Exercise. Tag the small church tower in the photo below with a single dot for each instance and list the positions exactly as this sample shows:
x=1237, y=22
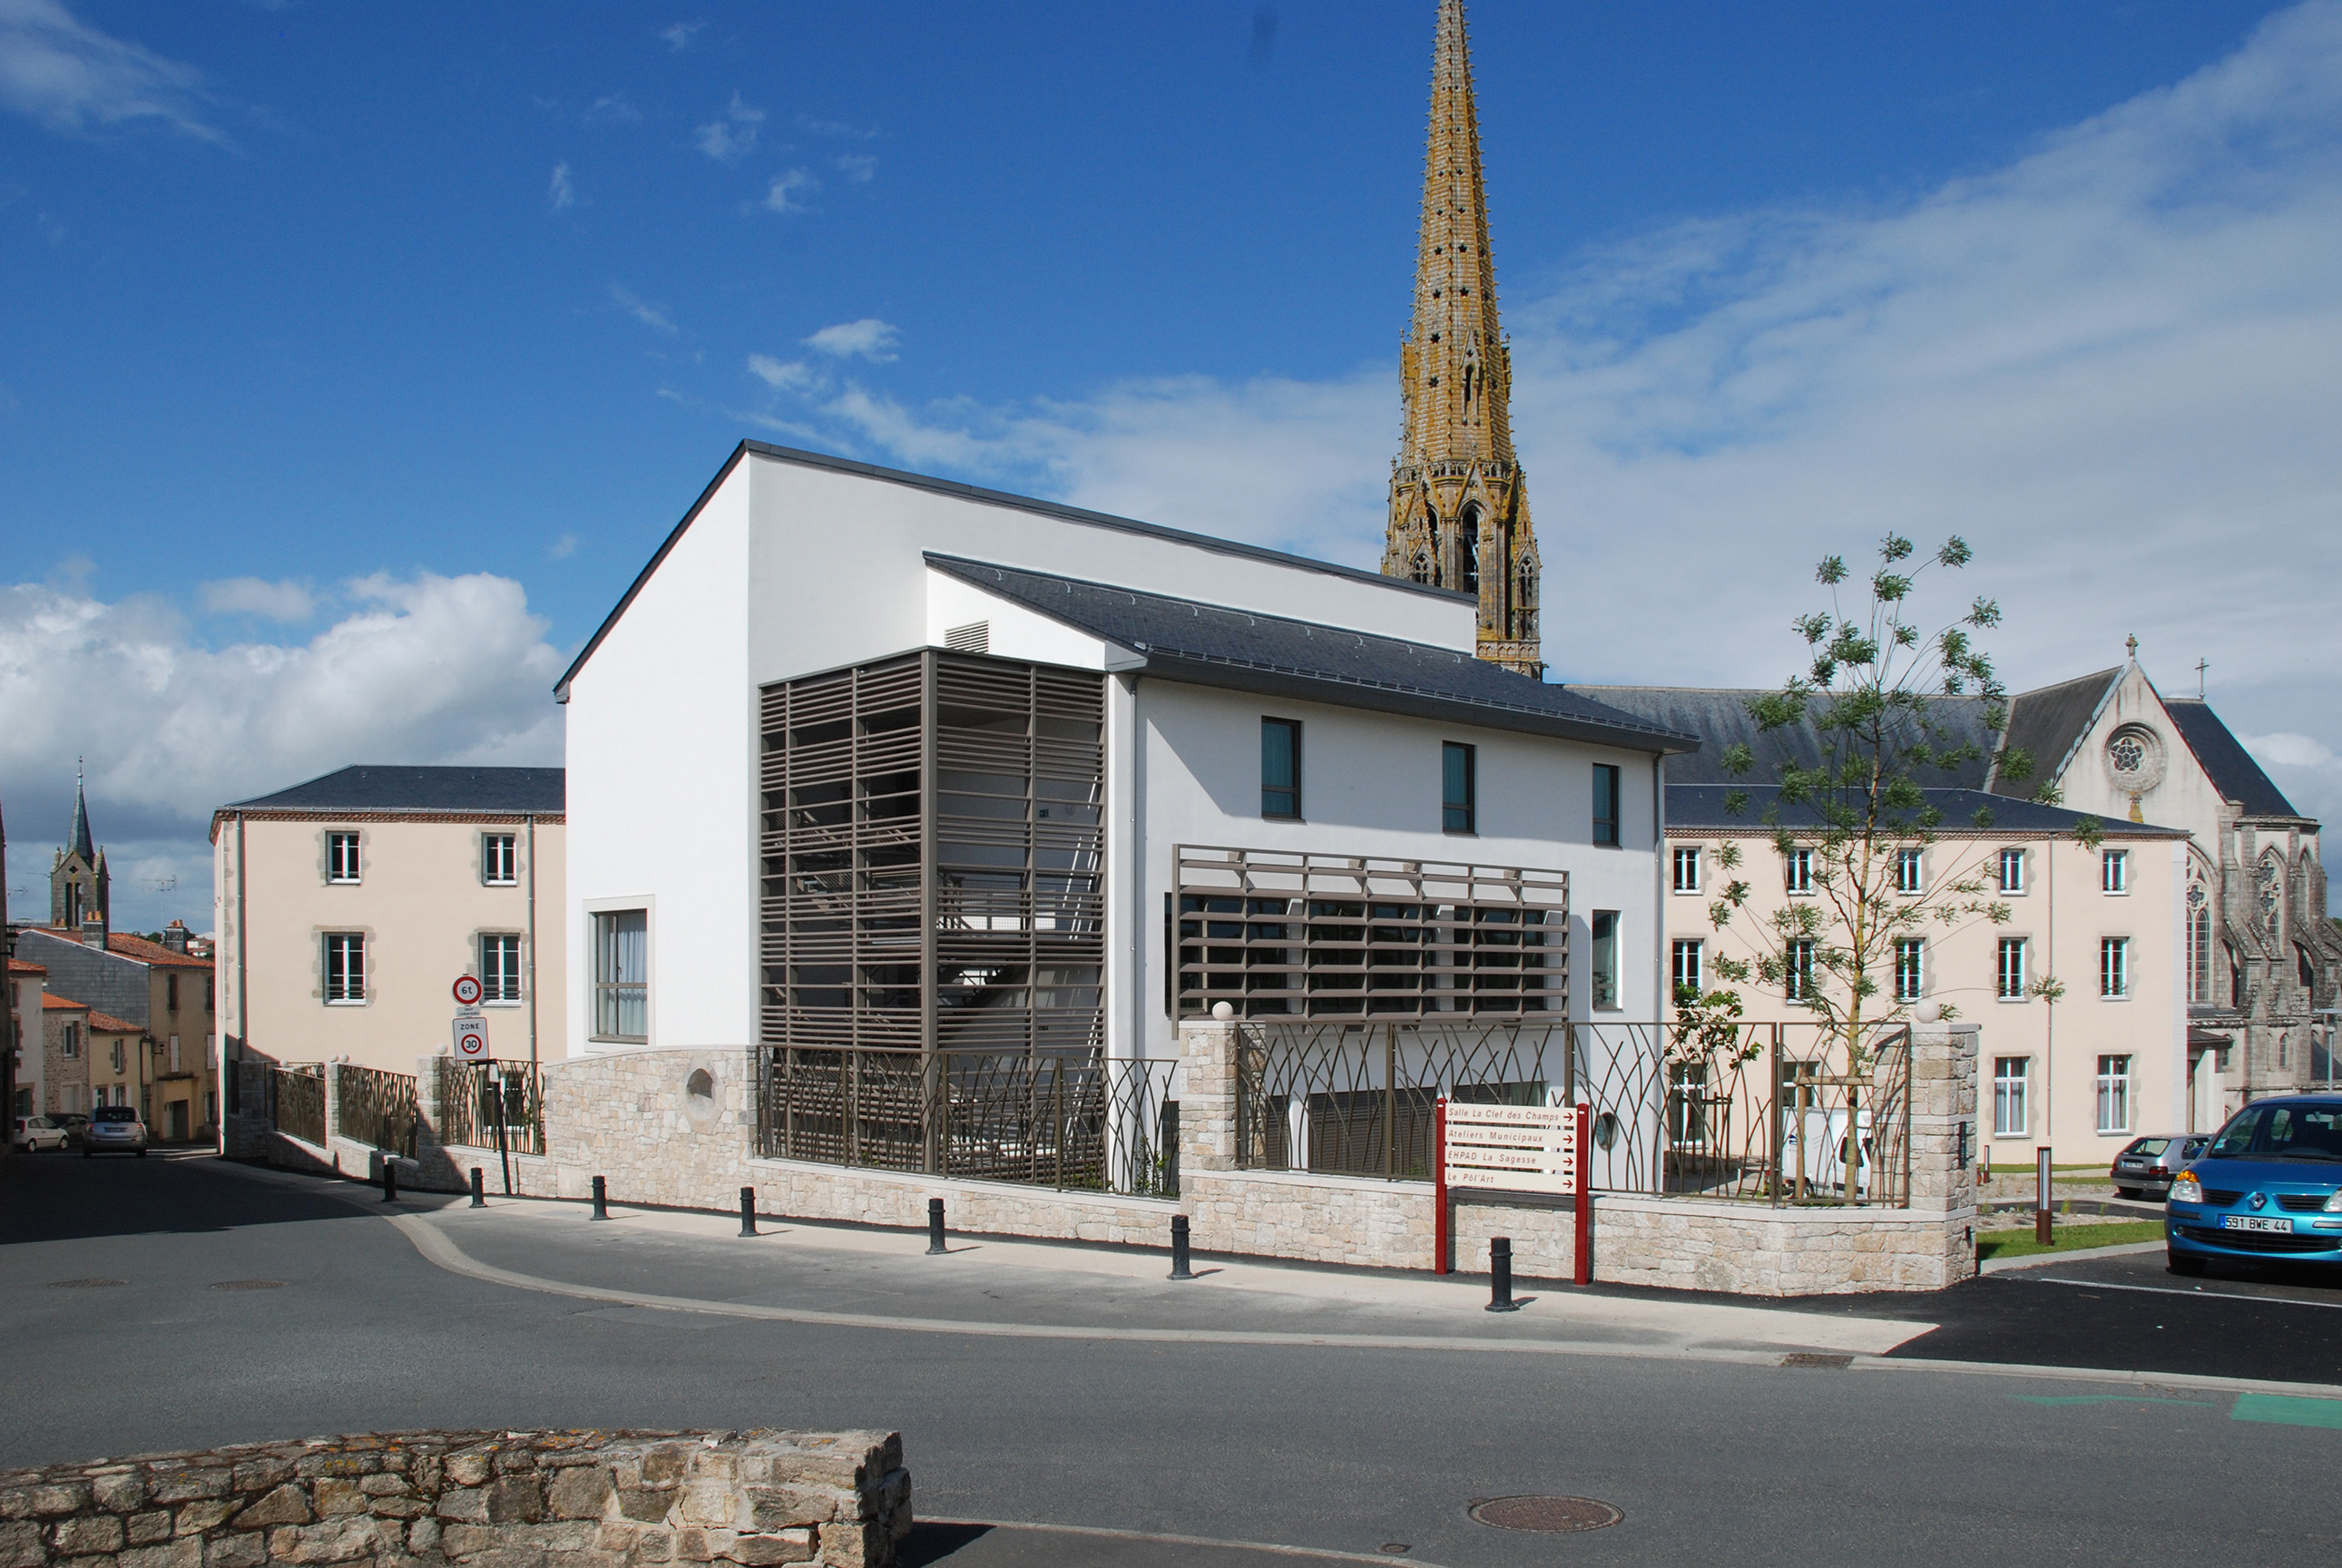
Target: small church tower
x=1459, y=512
x=80, y=890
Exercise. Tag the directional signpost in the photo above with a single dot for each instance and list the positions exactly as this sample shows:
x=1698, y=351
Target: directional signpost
x=1511, y=1148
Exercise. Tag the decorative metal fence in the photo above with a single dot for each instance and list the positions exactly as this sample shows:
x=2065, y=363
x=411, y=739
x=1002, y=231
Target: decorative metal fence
x=371, y=1106
x=491, y=1105
x=1074, y=1121
x=296, y=1103
x=1779, y=1113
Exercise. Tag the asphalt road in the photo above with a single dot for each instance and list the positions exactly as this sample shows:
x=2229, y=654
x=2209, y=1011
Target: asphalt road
x=338, y=1322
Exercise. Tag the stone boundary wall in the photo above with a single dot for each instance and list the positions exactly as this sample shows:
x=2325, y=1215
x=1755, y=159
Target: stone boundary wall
x=474, y=1500
x=676, y=1128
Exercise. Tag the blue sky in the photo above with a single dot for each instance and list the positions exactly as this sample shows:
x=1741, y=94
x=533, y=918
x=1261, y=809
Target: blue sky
x=353, y=358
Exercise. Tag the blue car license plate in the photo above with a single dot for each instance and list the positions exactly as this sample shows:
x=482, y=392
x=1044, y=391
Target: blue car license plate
x=2254, y=1223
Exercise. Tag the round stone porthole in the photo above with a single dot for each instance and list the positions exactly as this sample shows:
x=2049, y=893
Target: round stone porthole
x=699, y=1096
x=2135, y=759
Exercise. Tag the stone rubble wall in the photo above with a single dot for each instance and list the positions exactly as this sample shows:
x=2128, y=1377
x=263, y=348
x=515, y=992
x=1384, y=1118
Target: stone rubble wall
x=676, y=1129
x=473, y=1500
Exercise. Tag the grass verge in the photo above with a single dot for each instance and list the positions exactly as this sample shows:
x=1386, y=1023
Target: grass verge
x=2069, y=1239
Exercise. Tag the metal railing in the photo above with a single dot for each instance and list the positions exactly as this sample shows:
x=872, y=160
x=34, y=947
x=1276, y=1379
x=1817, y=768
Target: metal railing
x=296, y=1103
x=1767, y=1113
x=491, y=1105
x=1074, y=1120
x=371, y=1106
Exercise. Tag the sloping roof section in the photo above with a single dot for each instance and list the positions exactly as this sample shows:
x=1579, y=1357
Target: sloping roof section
x=107, y=1023
x=2048, y=722
x=1696, y=808
x=1719, y=716
x=2230, y=767
x=153, y=953
x=420, y=789
x=1212, y=645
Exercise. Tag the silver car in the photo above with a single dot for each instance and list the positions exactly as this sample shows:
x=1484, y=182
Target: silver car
x=2147, y=1165
x=112, y=1129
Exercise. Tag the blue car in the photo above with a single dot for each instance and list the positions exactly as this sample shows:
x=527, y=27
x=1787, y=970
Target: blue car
x=2270, y=1186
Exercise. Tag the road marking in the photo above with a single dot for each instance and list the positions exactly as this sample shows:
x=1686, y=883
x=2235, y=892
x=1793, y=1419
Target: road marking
x=1322, y=1552
x=2288, y=1412
x=2117, y=1399
x=2199, y=1295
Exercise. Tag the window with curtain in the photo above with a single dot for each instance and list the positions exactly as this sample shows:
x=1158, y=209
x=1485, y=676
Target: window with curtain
x=622, y=974
x=2011, y=1077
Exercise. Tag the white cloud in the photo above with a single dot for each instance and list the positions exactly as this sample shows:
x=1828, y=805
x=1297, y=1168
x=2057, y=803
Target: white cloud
x=612, y=110
x=780, y=195
x=859, y=167
x=74, y=79
x=679, y=36
x=837, y=128
x=732, y=137
x=563, y=548
x=2113, y=364
x=651, y=316
x=792, y=376
x=562, y=193
x=2305, y=768
x=431, y=670
x=253, y=596
x=868, y=338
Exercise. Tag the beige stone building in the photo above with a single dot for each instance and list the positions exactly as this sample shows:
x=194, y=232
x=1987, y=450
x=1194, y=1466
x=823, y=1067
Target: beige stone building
x=349, y=906
x=27, y=984
x=65, y=1056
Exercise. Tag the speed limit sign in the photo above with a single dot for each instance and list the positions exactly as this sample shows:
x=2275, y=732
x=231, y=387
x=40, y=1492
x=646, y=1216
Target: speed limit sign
x=468, y=990
x=471, y=1037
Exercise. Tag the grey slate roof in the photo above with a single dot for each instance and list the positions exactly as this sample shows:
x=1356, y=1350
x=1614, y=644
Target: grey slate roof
x=2231, y=768
x=1719, y=716
x=1701, y=807
x=438, y=789
x=2049, y=721
x=1212, y=645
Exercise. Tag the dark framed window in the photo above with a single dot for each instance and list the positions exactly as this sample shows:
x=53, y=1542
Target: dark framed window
x=341, y=857
x=345, y=966
x=498, y=866
x=500, y=967
x=1459, y=787
x=1280, y=767
x=1603, y=928
x=1688, y=868
x=1689, y=971
x=1606, y=802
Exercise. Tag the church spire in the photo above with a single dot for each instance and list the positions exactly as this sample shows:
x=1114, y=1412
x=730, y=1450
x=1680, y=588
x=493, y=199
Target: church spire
x=1459, y=514
x=81, y=839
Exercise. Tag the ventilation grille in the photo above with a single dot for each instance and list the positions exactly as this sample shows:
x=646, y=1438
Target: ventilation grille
x=976, y=637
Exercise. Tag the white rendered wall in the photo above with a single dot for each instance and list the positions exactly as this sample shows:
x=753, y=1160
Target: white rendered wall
x=1370, y=785
x=662, y=778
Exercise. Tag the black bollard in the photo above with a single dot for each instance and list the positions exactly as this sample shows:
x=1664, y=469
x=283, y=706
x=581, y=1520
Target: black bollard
x=1500, y=1276
x=747, y=1210
x=601, y=1199
x=936, y=1228
x=479, y=1189
x=389, y=1180
x=1179, y=1270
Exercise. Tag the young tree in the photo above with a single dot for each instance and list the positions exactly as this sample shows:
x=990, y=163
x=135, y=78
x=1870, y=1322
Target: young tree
x=1878, y=694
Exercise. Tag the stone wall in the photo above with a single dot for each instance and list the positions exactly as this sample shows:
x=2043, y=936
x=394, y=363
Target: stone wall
x=475, y=1499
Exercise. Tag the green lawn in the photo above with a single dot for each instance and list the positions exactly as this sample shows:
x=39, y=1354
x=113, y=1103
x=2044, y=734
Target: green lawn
x=2069, y=1239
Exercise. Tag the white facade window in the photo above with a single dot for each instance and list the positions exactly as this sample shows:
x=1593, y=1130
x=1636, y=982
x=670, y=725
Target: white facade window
x=1687, y=864
x=499, y=966
x=1797, y=969
x=1688, y=968
x=2114, y=967
x=498, y=859
x=1910, y=870
x=341, y=857
x=345, y=966
x=1605, y=929
x=2012, y=871
x=1797, y=870
x=2114, y=870
x=1910, y=968
x=2010, y=980
x=2011, y=1077
x=2114, y=1093
x=622, y=974
x=71, y=1041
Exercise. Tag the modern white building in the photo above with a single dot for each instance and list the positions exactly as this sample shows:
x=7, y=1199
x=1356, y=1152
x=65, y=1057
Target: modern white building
x=867, y=758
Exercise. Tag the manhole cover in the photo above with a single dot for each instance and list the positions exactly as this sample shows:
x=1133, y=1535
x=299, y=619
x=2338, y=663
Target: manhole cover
x=247, y=1285
x=84, y=1285
x=1554, y=1515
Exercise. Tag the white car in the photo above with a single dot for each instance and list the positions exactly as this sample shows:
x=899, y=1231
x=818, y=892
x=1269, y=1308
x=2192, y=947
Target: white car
x=35, y=1134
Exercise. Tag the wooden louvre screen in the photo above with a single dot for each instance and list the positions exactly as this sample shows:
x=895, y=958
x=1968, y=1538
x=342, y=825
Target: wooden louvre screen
x=1278, y=935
